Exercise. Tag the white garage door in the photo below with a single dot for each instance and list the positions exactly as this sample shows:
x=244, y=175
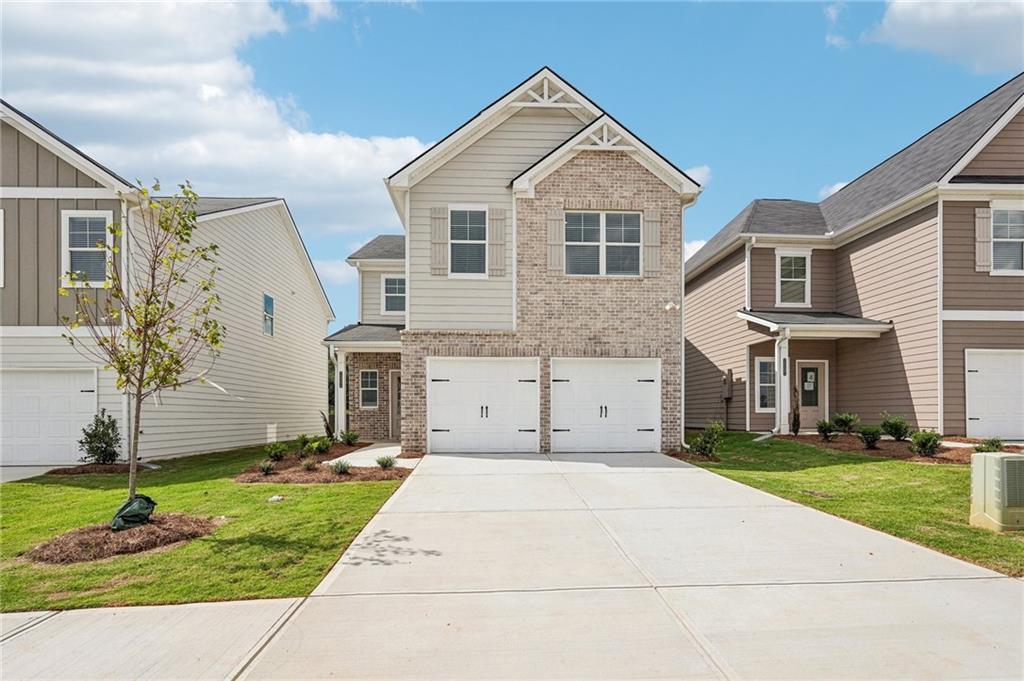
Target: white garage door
x=995, y=393
x=42, y=414
x=482, y=405
x=605, y=405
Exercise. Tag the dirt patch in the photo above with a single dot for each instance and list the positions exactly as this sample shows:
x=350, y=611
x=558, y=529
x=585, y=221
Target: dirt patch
x=96, y=542
x=887, y=449
x=411, y=455
x=290, y=470
x=692, y=456
x=91, y=469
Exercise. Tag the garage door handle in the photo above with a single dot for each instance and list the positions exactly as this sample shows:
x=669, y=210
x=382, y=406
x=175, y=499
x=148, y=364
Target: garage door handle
x=527, y=380
x=527, y=430
x=972, y=371
x=645, y=430
x=86, y=391
x=645, y=380
x=974, y=418
x=481, y=411
x=559, y=380
x=487, y=412
x=560, y=430
x=439, y=430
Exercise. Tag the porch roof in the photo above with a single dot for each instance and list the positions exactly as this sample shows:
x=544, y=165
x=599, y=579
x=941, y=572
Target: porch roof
x=371, y=335
x=811, y=324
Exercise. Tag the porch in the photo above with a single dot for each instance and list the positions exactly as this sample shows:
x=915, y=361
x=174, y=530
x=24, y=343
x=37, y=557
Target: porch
x=368, y=380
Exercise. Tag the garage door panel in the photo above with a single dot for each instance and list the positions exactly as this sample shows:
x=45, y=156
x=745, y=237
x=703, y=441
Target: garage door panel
x=995, y=393
x=43, y=414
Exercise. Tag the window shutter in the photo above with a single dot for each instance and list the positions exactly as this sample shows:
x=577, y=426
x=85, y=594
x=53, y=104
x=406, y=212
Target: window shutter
x=652, y=242
x=496, y=238
x=439, y=240
x=556, y=241
x=982, y=239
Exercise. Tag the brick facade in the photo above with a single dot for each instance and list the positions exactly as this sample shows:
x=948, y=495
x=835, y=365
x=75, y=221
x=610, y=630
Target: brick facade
x=371, y=424
x=561, y=316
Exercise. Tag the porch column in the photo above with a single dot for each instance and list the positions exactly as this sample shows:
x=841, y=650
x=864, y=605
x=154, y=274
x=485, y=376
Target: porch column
x=340, y=393
x=782, y=382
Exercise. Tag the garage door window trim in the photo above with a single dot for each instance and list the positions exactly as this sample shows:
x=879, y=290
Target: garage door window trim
x=81, y=232
x=465, y=237
x=614, y=237
x=369, y=389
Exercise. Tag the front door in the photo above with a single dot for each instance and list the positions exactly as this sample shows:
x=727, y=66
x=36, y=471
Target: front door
x=396, y=405
x=813, y=394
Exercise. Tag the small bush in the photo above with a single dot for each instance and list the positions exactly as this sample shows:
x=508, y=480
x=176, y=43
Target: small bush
x=991, y=444
x=709, y=441
x=925, y=442
x=309, y=465
x=846, y=422
x=276, y=451
x=301, y=441
x=322, y=445
x=340, y=467
x=386, y=462
x=870, y=436
x=100, y=439
x=827, y=430
x=267, y=467
x=349, y=437
x=894, y=426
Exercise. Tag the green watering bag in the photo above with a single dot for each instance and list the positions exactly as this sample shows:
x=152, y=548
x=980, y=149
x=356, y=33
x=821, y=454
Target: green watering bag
x=133, y=513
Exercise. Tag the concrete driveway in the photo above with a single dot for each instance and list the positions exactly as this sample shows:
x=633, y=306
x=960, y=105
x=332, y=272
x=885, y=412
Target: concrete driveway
x=635, y=566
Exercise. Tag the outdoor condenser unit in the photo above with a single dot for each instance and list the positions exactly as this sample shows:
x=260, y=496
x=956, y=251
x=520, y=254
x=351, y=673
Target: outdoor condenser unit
x=997, y=491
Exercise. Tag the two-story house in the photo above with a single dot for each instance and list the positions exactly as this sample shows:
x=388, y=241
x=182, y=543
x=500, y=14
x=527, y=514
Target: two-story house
x=534, y=301
x=902, y=292
x=55, y=206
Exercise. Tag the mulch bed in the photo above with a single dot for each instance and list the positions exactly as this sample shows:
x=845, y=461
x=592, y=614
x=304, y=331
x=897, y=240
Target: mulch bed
x=889, y=449
x=290, y=470
x=691, y=456
x=410, y=455
x=96, y=542
x=91, y=469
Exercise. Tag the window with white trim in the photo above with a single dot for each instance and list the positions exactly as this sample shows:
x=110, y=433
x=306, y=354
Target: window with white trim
x=793, y=283
x=764, y=385
x=467, y=241
x=392, y=295
x=1007, y=240
x=602, y=244
x=84, y=253
x=268, y=314
x=369, y=392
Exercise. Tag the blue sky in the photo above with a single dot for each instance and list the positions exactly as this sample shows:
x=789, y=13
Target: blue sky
x=317, y=102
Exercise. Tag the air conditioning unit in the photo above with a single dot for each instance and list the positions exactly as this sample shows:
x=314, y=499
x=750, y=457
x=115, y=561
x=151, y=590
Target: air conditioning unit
x=997, y=491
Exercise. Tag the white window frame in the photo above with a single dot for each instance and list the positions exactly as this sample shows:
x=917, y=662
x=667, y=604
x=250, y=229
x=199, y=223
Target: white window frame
x=1002, y=205
x=781, y=253
x=487, y=234
x=272, y=316
x=758, y=409
x=602, y=244
x=384, y=294
x=65, y=245
x=376, y=390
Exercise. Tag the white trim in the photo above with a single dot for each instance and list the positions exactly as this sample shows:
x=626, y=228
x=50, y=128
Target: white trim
x=391, y=403
x=758, y=409
x=747, y=247
x=365, y=346
x=65, y=245
x=340, y=391
x=272, y=315
x=602, y=245
x=408, y=279
x=58, y=193
x=486, y=242
x=984, y=140
x=820, y=390
x=859, y=330
x=515, y=263
x=748, y=384
x=781, y=253
x=384, y=276
x=377, y=389
x=1, y=247
x=1003, y=205
x=983, y=315
x=940, y=330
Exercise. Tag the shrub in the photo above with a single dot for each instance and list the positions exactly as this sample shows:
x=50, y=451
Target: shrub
x=846, y=422
x=340, y=467
x=870, y=435
x=827, y=430
x=309, y=465
x=276, y=451
x=100, y=439
x=991, y=444
x=925, y=442
x=301, y=441
x=267, y=467
x=322, y=445
x=349, y=437
x=708, y=441
x=894, y=426
x=386, y=462
x=328, y=427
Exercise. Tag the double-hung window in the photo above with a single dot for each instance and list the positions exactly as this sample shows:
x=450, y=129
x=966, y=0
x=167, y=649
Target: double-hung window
x=85, y=255
x=793, y=283
x=392, y=295
x=368, y=390
x=268, y=314
x=602, y=244
x=1007, y=240
x=468, y=241
x=765, y=385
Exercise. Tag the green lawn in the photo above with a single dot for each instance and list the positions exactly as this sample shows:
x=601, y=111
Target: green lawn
x=923, y=503
x=265, y=550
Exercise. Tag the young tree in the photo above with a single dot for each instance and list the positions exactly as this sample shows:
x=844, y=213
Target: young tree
x=152, y=323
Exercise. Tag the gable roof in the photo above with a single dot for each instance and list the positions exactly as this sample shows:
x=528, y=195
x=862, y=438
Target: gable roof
x=208, y=205
x=382, y=247
x=367, y=333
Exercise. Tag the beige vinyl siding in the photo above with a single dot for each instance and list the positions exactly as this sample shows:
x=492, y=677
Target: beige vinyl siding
x=891, y=274
x=1004, y=155
x=799, y=350
x=957, y=337
x=23, y=163
x=964, y=288
x=763, y=275
x=370, y=294
x=480, y=175
x=278, y=380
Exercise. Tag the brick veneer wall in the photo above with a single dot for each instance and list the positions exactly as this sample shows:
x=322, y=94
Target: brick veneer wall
x=371, y=424
x=560, y=316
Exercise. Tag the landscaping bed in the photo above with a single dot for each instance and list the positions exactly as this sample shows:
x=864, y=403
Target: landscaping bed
x=92, y=469
x=890, y=449
x=310, y=468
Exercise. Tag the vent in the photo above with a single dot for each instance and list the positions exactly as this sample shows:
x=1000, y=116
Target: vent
x=1013, y=471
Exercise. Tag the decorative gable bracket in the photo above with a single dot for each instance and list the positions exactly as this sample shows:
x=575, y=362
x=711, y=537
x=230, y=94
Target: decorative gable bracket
x=546, y=94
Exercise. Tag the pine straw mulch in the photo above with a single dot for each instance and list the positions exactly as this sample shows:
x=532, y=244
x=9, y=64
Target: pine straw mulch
x=96, y=542
x=688, y=456
x=91, y=469
x=290, y=470
x=888, y=449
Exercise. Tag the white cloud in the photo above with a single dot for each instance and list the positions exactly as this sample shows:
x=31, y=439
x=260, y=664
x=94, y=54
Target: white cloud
x=986, y=36
x=170, y=98
x=691, y=247
x=830, y=189
x=836, y=40
x=335, y=271
x=700, y=174
x=832, y=14
x=318, y=10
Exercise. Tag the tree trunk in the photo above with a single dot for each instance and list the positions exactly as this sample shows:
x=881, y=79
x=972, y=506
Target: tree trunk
x=133, y=455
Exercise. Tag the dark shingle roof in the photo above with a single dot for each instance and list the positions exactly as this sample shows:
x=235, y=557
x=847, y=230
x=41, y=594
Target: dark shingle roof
x=367, y=333
x=382, y=247
x=809, y=318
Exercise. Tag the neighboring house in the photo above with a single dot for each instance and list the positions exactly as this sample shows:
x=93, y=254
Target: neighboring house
x=540, y=278
x=55, y=202
x=902, y=292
